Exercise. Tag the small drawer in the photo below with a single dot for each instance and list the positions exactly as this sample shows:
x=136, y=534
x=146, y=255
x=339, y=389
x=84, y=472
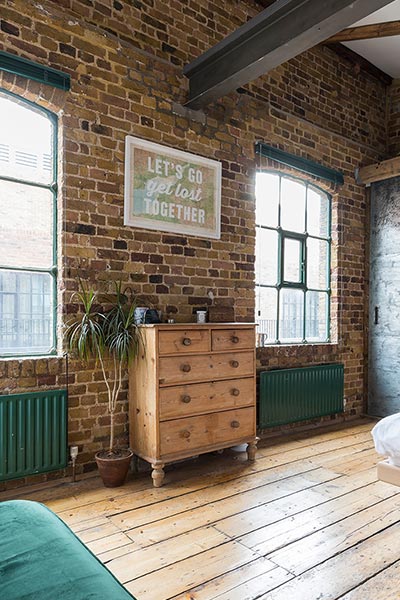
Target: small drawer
x=232, y=339
x=180, y=341
x=197, y=398
x=196, y=433
x=206, y=367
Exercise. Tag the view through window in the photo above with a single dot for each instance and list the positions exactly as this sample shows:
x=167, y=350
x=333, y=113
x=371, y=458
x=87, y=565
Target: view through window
x=292, y=260
x=27, y=228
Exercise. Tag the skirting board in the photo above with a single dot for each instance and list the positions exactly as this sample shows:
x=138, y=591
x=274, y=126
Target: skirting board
x=388, y=473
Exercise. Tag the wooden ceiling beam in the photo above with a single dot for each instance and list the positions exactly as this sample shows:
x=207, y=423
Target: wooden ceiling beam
x=366, y=32
x=386, y=169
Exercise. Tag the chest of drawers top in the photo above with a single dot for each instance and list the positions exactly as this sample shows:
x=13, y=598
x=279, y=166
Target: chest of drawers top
x=197, y=338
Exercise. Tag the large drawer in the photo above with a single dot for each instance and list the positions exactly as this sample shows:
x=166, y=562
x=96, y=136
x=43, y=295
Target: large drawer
x=232, y=339
x=192, y=433
x=207, y=367
x=182, y=341
x=196, y=398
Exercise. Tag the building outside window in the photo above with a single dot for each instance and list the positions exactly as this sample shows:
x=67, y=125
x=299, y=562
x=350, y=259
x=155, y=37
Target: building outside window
x=27, y=228
x=293, y=229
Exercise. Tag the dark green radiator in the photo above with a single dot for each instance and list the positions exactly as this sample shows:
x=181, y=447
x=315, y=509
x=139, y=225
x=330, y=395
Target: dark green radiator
x=33, y=433
x=290, y=395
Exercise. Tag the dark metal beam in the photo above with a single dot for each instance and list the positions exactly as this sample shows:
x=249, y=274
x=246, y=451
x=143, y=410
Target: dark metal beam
x=277, y=34
x=265, y=3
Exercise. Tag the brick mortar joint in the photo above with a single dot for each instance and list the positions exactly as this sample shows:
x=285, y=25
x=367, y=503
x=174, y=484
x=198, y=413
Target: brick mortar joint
x=95, y=29
x=312, y=125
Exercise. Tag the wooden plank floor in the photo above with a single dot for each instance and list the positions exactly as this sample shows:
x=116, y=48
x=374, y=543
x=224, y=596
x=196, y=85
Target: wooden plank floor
x=307, y=521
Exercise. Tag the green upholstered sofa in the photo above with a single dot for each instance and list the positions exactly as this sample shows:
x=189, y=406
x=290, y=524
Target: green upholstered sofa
x=42, y=559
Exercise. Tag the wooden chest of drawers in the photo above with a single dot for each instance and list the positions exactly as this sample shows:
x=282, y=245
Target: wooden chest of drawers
x=192, y=390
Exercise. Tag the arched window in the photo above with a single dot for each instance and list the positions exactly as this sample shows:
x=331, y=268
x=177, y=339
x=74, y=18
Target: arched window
x=293, y=229
x=27, y=228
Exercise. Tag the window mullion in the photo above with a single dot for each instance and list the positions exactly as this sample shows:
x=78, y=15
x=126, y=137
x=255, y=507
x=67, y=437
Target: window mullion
x=280, y=264
x=304, y=262
x=51, y=270
x=17, y=307
x=278, y=309
x=46, y=186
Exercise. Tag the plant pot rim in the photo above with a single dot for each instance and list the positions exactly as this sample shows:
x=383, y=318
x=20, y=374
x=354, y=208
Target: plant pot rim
x=125, y=453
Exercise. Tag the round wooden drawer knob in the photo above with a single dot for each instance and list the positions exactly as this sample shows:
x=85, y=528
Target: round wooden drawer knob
x=234, y=339
x=234, y=364
x=186, y=399
x=235, y=392
x=186, y=368
x=186, y=341
x=235, y=424
x=185, y=434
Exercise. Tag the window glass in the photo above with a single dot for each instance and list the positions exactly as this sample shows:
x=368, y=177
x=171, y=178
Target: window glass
x=26, y=312
x=317, y=261
x=317, y=316
x=266, y=306
x=267, y=256
x=291, y=315
x=27, y=236
x=317, y=213
x=267, y=193
x=292, y=260
x=26, y=225
x=26, y=142
x=293, y=204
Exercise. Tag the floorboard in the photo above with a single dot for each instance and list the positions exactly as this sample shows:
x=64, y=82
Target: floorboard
x=308, y=520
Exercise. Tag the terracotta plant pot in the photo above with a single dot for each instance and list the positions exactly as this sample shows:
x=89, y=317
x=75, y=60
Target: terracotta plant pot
x=113, y=467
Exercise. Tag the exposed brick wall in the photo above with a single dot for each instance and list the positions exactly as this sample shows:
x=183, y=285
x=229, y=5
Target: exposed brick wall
x=125, y=60
x=394, y=119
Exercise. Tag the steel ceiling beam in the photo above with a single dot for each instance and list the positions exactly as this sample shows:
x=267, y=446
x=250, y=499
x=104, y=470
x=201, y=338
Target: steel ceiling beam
x=277, y=34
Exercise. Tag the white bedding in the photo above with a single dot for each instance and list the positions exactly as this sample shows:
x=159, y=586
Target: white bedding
x=386, y=435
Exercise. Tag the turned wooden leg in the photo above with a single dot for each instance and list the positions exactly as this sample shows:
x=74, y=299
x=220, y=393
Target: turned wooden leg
x=158, y=474
x=252, y=449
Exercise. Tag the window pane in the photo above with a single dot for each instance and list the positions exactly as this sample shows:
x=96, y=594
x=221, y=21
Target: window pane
x=293, y=205
x=317, y=316
x=266, y=311
x=26, y=225
x=267, y=199
x=26, y=308
x=291, y=303
x=292, y=271
x=266, y=256
x=317, y=213
x=25, y=150
x=317, y=264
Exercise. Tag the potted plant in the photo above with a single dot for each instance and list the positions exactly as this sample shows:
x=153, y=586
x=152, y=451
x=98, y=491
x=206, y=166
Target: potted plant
x=112, y=338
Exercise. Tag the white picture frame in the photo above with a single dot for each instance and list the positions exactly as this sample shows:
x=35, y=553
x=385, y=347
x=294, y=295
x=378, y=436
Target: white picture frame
x=171, y=190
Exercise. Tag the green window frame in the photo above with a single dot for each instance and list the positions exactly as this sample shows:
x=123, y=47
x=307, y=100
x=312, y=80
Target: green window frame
x=51, y=270
x=293, y=282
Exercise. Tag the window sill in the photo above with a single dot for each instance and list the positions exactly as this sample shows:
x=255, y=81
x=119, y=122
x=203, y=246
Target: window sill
x=32, y=357
x=299, y=345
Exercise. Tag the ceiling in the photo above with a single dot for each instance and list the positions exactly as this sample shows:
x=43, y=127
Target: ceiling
x=384, y=53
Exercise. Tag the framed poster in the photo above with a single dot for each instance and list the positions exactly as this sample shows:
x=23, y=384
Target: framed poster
x=171, y=190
